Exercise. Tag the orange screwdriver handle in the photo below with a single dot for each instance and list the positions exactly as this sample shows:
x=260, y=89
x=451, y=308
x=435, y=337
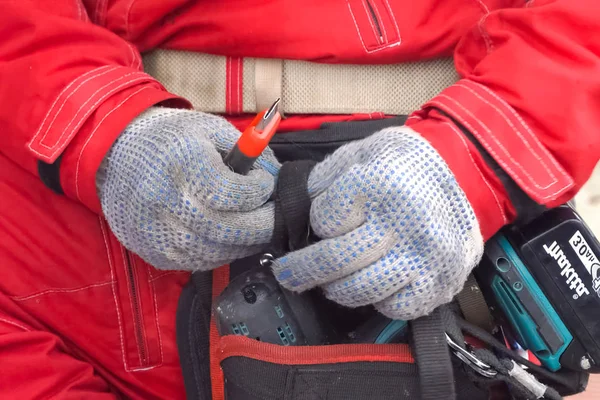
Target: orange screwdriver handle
x=253, y=142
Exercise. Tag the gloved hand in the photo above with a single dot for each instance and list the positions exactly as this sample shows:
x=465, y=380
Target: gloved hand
x=168, y=196
x=398, y=231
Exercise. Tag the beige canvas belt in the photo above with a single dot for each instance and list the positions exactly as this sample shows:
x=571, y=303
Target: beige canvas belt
x=221, y=84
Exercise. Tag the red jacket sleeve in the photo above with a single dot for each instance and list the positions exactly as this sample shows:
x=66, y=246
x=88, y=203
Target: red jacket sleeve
x=530, y=96
x=67, y=89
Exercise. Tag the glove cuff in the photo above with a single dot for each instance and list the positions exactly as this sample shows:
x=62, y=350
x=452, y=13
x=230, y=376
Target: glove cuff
x=150, y=112
x=484, y=189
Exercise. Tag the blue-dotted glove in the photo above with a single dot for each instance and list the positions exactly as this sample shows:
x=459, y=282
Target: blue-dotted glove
x=398, y=231
x=168, y=196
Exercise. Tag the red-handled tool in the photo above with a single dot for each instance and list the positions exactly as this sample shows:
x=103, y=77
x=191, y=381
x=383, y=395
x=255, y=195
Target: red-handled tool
x=254, y=140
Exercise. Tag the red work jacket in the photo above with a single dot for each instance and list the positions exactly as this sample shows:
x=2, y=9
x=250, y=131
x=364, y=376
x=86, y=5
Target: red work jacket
x=82, y=317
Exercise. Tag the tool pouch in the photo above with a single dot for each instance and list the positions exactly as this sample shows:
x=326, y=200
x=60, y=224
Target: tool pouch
x=240, y=368
x=236, y=367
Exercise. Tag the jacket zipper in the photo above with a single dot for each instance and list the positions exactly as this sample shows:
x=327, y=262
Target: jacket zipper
x=375, y=21
x=137, y=307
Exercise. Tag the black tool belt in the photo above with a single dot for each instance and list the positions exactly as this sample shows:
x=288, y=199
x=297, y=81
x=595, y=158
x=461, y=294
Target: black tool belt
x=444, y=356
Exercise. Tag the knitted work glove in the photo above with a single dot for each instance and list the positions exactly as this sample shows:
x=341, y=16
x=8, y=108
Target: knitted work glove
x=398, y=231
x=168, y=196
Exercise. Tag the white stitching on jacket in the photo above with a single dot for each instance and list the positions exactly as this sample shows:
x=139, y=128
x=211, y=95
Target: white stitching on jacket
x=58, y=97
x=95, y=104
x=114, y=291
x=498, y=142
x=13, y=323
x=527, y=129
x=484, y=7
x=489, y=45
x=531, y=150
x=59, y=290
x=498, y=159
x=65, y=102
x=385, y=36
x=92, y=108
x=92, y=135
x=370, y=20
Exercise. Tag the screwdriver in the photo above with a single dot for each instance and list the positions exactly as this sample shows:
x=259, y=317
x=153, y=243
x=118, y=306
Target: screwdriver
x=254, y=140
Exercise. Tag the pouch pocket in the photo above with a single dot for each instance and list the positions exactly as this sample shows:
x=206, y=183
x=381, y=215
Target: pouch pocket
x=237, y=367
x=254, y=370
x=240, y=368
x=316, y=144
x=375, y=24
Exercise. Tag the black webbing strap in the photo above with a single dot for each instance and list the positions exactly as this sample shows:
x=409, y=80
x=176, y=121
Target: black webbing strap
x=50, y=175
x=192, y=334
x=432, y=356
x=292, y=207
x=473, y=305
x=318, y=143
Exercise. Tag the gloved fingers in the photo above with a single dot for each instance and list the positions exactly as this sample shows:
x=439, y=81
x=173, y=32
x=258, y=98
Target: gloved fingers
x=340, y=209
x=419, y=266
x=222, y=189
x=417, y=299
x=220, y=131
x=335, y=165
x=268, y=162
x=206, y=257
x=428, y=291
x=254, y=227
x=193, y=169
x=331, y=259
x=246, y=228
x=376, y=282
x=193, y=253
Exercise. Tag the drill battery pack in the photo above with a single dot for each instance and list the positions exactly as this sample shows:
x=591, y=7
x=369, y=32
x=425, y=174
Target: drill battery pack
x=542, y=281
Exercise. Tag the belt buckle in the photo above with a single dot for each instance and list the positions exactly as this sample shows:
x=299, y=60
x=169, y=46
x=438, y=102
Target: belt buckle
x=469, y=358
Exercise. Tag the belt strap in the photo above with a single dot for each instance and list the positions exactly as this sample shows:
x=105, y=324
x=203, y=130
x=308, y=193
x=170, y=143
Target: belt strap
x=305, y=87
x=292, y=207
x=268, y=76
x=473, y=305
x=432, y=356
x=192, y=334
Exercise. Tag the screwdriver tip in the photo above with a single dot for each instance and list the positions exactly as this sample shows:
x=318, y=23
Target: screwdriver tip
x=273, y=109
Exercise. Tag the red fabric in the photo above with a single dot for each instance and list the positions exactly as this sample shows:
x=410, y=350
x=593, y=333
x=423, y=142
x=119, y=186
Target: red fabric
x=68, y=87
x=234, y=100
x=220, y=281
x=87, y=319
x=293, y=123
x=240, y=346
x=482, y=187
